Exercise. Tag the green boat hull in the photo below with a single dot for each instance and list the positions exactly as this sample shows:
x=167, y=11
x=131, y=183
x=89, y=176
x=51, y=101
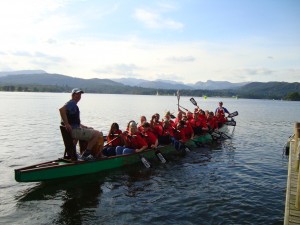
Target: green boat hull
x=61, y=168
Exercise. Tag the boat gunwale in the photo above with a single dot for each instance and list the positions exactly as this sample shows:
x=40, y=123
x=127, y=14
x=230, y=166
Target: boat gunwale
x=73, y=163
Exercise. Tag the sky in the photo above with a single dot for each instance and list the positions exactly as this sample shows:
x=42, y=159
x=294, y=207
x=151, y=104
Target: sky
x=185, y=41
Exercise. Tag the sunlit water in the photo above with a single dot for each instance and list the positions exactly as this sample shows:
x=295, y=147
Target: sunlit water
x=242, y=181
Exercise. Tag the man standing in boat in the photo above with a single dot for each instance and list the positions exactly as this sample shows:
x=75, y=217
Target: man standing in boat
x=70, y=115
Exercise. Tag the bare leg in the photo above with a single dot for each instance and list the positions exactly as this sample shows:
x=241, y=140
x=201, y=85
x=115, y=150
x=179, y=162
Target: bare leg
x=94, y=140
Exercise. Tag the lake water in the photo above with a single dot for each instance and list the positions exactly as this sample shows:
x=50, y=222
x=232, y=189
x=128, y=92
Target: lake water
x=242, y=181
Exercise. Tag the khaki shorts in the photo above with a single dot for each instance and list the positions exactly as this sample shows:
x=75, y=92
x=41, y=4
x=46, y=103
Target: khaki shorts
x=84, y=134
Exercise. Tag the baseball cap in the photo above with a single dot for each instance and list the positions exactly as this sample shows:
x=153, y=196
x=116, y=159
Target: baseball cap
x=77, y=90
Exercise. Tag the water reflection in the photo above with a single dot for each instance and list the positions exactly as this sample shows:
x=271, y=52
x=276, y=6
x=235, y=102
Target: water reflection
x=79, y=198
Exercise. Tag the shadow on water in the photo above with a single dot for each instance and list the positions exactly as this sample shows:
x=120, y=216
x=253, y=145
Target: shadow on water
x=79, y=196
x=80, y=199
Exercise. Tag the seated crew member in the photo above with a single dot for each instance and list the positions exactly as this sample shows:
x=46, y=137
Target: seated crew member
x=220, y=119
x=167, y=133
x=179, y=135
x=133, y=141
x=70, y=115
x=149, y=137
x=156, y=125
x=212, y=121
x=143, y=119
x=113, y=139
x=188, y=130
x=169, y=117
x=196, y=123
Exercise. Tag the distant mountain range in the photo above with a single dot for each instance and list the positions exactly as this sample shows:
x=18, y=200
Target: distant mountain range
x=43, y=78
x=20, y=72
x=167, y=84
x=39, y=80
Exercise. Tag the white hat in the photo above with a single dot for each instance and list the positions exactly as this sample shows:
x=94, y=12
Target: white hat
x=77, y=90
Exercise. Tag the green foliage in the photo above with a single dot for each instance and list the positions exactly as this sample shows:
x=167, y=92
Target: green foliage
x=294, y=96
x=61, y=83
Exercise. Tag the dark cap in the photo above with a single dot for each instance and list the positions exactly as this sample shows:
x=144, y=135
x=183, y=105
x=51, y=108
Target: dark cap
x=77, y=90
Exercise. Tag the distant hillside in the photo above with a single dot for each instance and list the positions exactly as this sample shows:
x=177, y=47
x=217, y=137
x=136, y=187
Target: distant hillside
x=217, y=85
x=163, y=85
x=270, y=90
x=40, y=81
x=130, y=81
x=23, y=72
x=167, y=84
x=92, y=85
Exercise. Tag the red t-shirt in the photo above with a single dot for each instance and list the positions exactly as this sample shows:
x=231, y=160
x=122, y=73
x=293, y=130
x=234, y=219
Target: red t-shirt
x=149, y=137
x=195, y=123
x=212, y=122
x=221, y=118
x=188, y=130
x=157, y=129
x=179, y=134
x=168, y=131
x=135, y=141
x=117, y=141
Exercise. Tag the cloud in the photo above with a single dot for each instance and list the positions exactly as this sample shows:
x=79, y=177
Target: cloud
x=154, y=20
x=123, y=70
x=181, y=59
x=51, y=41
x=255, y=71
x=170, y=76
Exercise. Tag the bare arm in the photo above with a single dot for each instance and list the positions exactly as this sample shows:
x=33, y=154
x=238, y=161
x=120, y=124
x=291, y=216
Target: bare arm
x=155, y=144
x=63, y=114
x=142, y=148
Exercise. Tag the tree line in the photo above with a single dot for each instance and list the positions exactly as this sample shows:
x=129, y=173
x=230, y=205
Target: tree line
x=107, y=89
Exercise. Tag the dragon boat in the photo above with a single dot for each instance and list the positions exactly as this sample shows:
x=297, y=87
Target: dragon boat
x=64, y=167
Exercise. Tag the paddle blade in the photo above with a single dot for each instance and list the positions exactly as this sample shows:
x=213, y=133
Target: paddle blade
x=230, y=123
x=145, y=162
x=233, y=114
x=160, y=156
x=225, y=136
x=193, y=101
x=215, y=135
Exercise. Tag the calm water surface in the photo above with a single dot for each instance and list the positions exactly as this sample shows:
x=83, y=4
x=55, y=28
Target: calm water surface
x=242, y=181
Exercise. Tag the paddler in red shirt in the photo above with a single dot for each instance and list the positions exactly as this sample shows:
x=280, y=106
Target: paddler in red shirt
x=149, y=137
x=156, y=125
x=133, y=141
x=143, y=119
x=212, y=121
x=220, y=118
x=113, y=140
x=188, y=130
x=179, y=132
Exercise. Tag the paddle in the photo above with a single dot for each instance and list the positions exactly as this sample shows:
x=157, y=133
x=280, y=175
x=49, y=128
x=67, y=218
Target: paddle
x=230, y=123
x=146, y=163
x=233, y=114
x=221, y=134
x=112, y=140
x=178, y=98
x=172, y=116
x=184, y=108
x=160, y=156
x=194, y=102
